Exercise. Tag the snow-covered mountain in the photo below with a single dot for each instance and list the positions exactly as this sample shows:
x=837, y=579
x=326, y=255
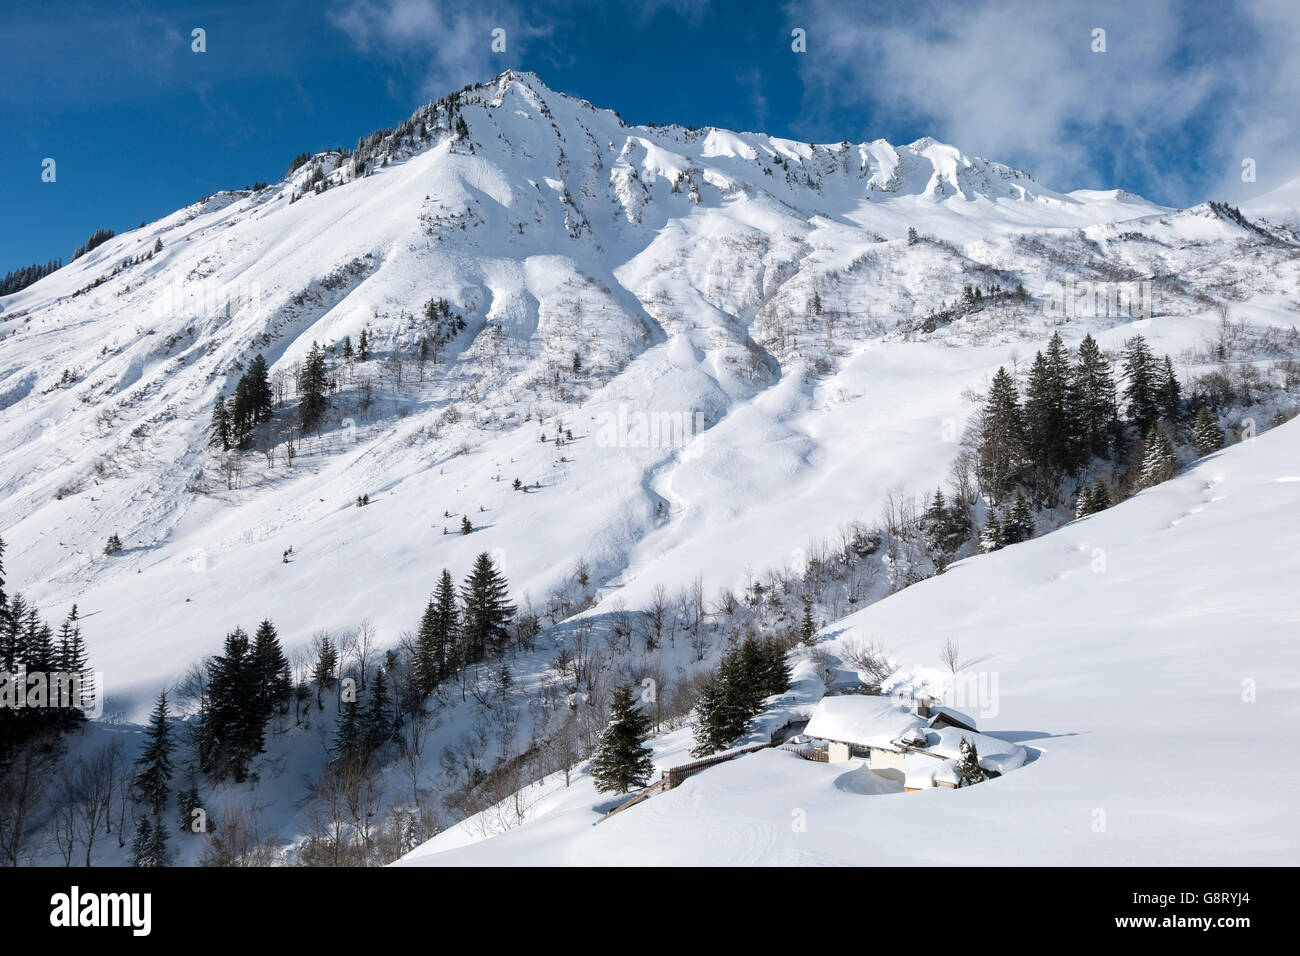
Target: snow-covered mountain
x=745, y=342
x=679, y=265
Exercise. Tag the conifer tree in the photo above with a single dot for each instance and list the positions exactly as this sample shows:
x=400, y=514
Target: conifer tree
x=487, y=612
x=1100, y=495
x=969, y=764
x=808, y=627
x=142, y=844
x=1001, y=454
x=220, y=438
x=234, y=727
x=1142, y=383
x=992, y=538
x=1158, y=459
x=1093, y=391
x=154, y=765
x=622, y=761
x=323, y=670
x=1207, y=436
x=313, y=385
x=436, y=638
x=1019, y=524
x=465, y=526
x=1170, y=393
x=377, y=725
x=347, y=733
x=1084, y=505
x=271, y=668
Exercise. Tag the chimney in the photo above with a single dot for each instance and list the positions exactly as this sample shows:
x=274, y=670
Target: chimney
x=923, y=707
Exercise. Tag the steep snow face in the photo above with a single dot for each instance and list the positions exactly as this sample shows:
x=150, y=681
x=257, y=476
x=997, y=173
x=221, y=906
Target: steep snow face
x=1280, y=205
x=1145, y=656
x=679, y=266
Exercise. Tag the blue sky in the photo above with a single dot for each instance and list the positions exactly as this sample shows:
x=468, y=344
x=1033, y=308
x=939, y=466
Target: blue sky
x=139, y=125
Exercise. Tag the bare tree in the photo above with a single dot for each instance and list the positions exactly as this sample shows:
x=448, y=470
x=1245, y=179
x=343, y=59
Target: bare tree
x=950, y=655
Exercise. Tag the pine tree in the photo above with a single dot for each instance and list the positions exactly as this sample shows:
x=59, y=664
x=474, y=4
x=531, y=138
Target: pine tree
x=1207, y=436
x=347, y=733
x=622, y=761
x=1084, y=505
x=1050, y=429
x=235, y=725
x=271, y=668
x=1170, y=393
x=1001, y=454
x=323, y=670
x=260, y=396
x=436, y=638
x=377, y=725
x=363, y=346
x=347, y=348
x=1142, y=388
x=465, y=526
x=1100, y=495
x=969, y=764
x=154, y=765
x=487, y=610
x=1093, y=391
x=992, y=538
x=808, y=627
x=143, y=843
x=1019, y=524
x=313, y=384
x=113, y=545
x=1158, y=459
x=220, y=438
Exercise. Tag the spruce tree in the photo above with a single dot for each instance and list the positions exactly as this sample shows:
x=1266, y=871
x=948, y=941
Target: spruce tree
x=1000, y=457
x=969, y=764
x=808, y=627
x=142, y=844
x=435, y=641
x=154, y=765
x=220, y=438
x=1084, y=504
x=1093, y=392
x=992, y=538
x=1158, y=459
x=377, y=725
x=1100, y=495
x=235, y=725
x=1170, y=393
x=1142, y=383
x=271, y=668
x=487, y=612
x=323, y=670
x=313, y=385
x=622, y=761
x=1207, y=436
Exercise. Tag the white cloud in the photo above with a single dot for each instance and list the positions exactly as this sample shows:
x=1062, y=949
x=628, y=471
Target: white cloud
x=444, y=45
x=1171, y=102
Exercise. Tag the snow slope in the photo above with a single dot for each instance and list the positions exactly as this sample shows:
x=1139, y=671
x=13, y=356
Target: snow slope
x=1146, y=655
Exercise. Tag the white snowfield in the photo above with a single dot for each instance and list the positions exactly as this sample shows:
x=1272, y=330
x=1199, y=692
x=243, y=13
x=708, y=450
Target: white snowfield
x=1146, y=656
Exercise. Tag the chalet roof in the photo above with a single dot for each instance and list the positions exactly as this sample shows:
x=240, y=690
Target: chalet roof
x=867, y=721
x=942, y=713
